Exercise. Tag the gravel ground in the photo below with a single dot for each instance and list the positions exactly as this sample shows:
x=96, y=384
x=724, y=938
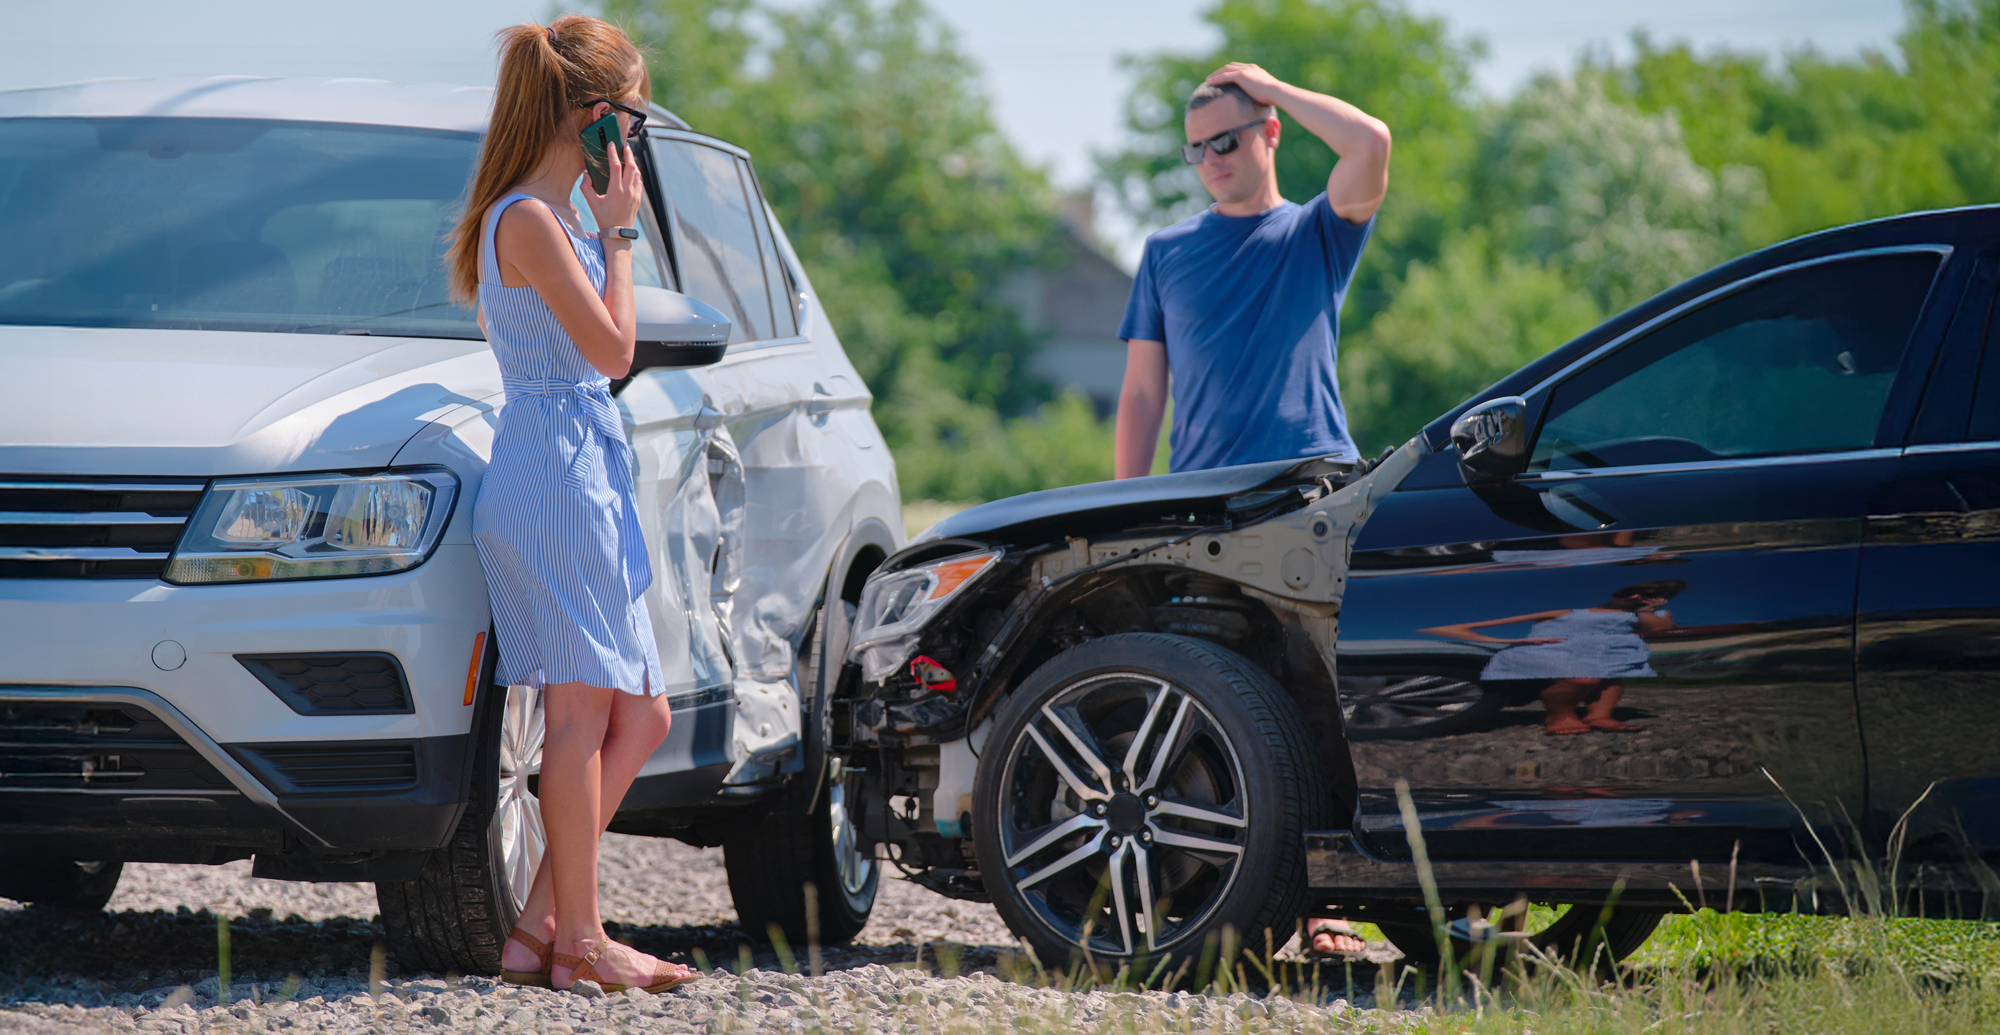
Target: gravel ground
x=309, y=957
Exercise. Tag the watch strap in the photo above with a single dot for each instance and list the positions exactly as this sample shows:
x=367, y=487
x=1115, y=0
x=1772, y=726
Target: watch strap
x=626, y=232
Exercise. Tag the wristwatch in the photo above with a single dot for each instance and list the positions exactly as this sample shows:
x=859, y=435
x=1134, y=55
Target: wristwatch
x=626, y=232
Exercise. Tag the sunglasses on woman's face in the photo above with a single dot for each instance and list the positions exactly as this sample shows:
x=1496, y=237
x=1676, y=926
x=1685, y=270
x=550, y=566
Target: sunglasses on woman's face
x=1222, y=143
x=638, y=117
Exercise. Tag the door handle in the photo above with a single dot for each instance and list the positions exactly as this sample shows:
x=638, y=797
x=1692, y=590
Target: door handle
x=707, y=417
x=1578, y=506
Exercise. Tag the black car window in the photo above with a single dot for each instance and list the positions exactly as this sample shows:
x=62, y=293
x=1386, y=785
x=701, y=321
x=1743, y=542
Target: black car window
x=1985, y=425
x=719, y=257
x=783, y=313
x=1799, y=362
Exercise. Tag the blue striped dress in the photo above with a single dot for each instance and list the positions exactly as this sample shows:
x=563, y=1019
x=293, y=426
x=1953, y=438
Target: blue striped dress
x=556, y=524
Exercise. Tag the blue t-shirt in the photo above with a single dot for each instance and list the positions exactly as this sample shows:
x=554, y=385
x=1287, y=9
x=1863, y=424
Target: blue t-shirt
x=1249, y=309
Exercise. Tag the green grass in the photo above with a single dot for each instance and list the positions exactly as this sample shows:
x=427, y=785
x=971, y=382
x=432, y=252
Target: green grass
x=1705, y=973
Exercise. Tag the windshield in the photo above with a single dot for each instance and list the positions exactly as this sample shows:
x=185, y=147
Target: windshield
x=230, y=224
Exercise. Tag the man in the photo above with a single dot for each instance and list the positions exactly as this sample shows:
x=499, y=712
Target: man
x=1242, y=302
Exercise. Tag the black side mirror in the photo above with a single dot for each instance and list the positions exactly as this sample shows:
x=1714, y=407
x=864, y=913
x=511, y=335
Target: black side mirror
x=1492, y=439
x=675, y=331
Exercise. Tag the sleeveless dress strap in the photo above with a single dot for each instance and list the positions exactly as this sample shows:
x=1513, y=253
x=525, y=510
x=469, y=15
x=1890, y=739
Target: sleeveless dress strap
x=489, y=261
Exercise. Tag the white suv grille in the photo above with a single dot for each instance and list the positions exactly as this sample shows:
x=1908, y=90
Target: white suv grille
x=91, y=528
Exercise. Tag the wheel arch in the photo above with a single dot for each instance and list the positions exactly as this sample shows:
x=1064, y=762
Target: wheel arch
x=1292, y=643
x=867, y=545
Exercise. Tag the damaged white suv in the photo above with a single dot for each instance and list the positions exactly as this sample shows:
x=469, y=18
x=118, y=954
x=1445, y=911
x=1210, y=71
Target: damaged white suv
x=241, y=428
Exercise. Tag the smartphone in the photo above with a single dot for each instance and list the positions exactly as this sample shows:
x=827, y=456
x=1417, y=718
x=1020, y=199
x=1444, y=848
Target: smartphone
x=599, y=137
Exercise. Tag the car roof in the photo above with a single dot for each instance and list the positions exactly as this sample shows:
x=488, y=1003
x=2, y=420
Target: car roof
x=374, y=102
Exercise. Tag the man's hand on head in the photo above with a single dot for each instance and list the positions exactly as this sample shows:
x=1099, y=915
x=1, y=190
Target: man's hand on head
x=1262, y=86
x=1360, y=180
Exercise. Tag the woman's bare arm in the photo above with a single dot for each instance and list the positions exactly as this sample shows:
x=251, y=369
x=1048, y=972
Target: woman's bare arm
x=532, y=246
x=1468, y=630
x=1655, y=621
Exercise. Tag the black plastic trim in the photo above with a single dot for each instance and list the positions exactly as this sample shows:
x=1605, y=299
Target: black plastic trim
x=299, y=699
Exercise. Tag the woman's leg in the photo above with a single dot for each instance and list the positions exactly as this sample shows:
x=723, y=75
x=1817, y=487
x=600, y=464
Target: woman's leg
x=1598, y=715
x=637, y=726
x=579, y=719
x=577, y=716
x=1560, y=700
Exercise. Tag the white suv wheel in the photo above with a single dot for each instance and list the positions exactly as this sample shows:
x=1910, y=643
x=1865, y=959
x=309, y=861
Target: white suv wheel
x=518, y=811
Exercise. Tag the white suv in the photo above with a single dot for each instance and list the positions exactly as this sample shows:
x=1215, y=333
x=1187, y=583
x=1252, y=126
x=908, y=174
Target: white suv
x=242, y=424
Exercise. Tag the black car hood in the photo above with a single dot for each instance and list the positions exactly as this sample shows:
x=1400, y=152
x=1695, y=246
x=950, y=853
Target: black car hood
x=1085, y=510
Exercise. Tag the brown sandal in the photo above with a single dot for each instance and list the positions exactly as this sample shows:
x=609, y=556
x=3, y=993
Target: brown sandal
x=581, y=970
x=542, y=950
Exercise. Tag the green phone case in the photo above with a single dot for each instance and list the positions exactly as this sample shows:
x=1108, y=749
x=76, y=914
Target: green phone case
x=597, y=137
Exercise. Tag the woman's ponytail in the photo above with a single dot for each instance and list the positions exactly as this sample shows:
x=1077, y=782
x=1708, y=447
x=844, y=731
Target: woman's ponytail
x=545, y=72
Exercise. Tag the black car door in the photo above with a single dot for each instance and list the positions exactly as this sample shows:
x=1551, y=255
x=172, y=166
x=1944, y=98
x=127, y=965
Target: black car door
x=1642, y=646
x=1928, y=631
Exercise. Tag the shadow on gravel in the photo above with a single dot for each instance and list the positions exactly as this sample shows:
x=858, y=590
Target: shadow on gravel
x=53, y=956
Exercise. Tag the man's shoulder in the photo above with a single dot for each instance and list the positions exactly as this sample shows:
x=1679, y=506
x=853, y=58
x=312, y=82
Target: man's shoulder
x=1171, y=235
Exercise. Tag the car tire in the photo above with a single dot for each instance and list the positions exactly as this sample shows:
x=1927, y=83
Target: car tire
x=1572, y=939
x=455, y=916
x=1225, y=742
x=65, y=884
x=770, y=862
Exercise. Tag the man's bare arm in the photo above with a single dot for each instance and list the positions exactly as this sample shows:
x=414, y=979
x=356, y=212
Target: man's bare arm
x=1141, y=404
x=1360, y=179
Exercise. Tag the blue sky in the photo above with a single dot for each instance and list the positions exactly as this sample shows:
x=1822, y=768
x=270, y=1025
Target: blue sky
x=1051, y=66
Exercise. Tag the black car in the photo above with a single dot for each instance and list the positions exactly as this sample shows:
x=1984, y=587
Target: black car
x=1702, y=606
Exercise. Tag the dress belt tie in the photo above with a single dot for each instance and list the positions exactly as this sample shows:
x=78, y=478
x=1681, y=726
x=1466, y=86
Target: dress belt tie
x=608, y=442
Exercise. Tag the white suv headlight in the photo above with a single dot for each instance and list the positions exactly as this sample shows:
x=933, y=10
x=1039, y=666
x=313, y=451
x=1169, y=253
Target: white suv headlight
x=894, y=608
x=313, y=526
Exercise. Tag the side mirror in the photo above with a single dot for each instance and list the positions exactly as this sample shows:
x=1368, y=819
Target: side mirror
x=675, y=331
x=1492, y=439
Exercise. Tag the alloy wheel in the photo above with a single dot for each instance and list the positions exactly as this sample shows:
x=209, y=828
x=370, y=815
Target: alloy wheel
x=853, y=861
x=517, y=811
x=1124, y=815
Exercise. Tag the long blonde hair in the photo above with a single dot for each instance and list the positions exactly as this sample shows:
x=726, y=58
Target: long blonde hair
x=545, y=73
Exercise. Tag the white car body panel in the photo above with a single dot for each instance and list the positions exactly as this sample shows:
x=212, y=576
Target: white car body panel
x=120, y=402
x=86, y=632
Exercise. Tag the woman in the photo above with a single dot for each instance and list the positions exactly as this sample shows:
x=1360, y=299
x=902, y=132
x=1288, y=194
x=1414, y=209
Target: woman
x=555, y=522
x=1588, y=652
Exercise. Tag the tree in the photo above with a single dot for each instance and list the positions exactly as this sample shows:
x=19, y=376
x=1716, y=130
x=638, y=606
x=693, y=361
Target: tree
x=1609, y=193
x=1404, y=69
x=1454, y=327
x=1838, y=141
x=879, y=155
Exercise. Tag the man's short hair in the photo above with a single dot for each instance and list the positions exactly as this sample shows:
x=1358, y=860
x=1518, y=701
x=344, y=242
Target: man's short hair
x=1206, y=93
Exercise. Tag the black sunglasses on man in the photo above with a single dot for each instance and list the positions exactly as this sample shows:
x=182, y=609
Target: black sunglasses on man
x=638, y=117
x=1222, y=143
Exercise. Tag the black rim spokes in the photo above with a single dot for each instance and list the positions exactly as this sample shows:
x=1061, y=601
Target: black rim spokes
x=1125, y=819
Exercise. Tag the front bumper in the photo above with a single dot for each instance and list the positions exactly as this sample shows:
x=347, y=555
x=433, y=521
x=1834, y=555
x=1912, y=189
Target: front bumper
x=110, y=750
x=120, y=773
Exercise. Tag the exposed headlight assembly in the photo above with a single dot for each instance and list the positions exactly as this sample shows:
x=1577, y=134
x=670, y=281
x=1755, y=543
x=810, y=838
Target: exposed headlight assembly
x=314, y=526
x=894, y=608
